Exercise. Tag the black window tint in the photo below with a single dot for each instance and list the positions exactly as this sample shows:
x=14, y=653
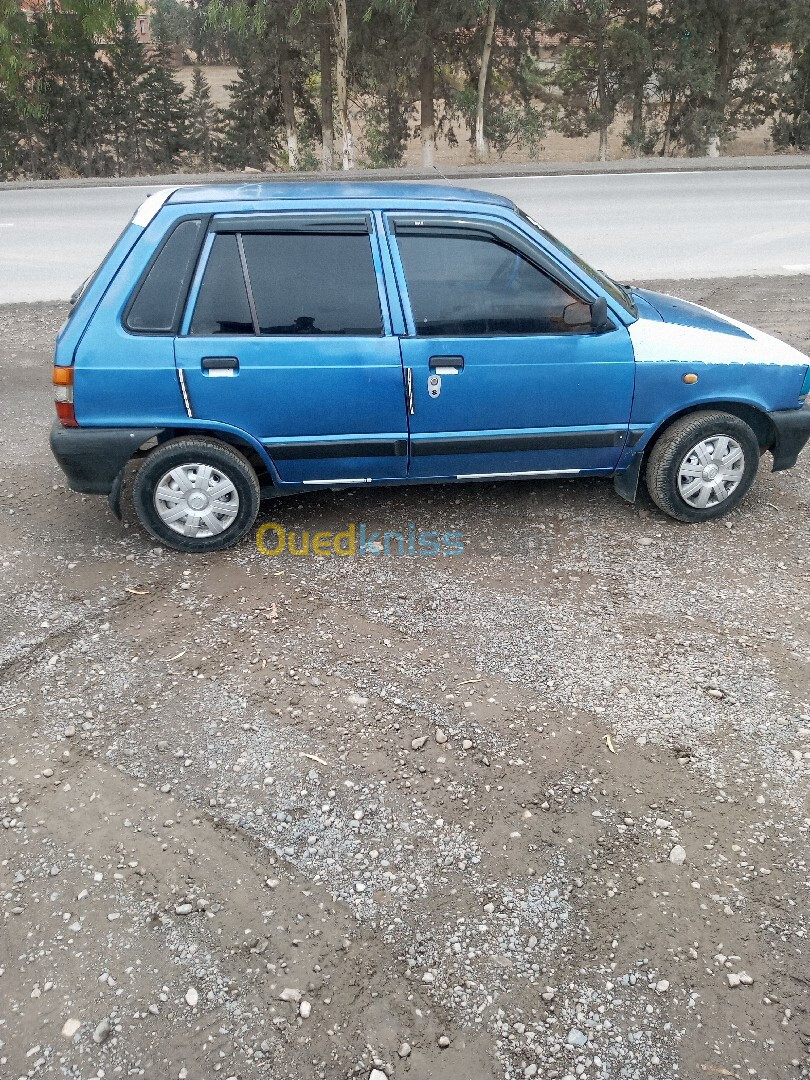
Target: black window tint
x=468, y=285
x=313, y=284
x=156, y=308
x=222, y=306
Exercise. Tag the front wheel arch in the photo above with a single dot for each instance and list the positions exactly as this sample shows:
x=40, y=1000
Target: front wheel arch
x=673, y=471
x=626, y=482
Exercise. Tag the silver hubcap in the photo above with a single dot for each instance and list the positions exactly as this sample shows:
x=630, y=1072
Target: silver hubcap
x=711, y=471
x=196, y=500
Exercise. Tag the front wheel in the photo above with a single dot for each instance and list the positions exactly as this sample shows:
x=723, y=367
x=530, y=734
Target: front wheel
x=196, y=495
x=702, y=466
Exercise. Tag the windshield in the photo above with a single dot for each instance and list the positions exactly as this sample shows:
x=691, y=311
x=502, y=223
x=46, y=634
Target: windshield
x=619, y=293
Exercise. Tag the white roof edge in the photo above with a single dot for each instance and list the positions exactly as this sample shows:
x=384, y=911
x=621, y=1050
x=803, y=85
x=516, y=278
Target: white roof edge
x=150, y=206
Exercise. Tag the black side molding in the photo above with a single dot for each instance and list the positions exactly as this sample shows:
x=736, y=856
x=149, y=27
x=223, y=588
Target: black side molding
x=92, y=458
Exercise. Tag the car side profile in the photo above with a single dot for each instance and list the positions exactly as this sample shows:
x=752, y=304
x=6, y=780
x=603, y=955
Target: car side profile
x=253, y=341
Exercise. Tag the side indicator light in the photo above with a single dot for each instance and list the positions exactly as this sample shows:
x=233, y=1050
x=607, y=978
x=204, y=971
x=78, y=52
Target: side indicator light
x=690, y=377
x=63, y=396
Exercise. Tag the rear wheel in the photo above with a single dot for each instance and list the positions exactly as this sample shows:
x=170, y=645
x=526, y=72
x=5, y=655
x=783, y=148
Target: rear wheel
x=702, y=466
x=196, y=495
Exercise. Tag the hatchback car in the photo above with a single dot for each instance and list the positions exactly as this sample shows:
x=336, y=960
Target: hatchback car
x=252, y=341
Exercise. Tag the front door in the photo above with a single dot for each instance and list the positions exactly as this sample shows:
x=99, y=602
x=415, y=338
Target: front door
x=506, y=376
x=287, y=337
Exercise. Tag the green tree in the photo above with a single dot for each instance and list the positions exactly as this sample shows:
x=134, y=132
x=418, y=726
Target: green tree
x=252, y=123
x=163, y=113
x=589, y=74
x=791, y=127
x=717, y=68
x=202, y=119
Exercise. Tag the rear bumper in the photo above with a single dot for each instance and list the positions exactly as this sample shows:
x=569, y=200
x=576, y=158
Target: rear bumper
x=92, y=458
x=792, y=433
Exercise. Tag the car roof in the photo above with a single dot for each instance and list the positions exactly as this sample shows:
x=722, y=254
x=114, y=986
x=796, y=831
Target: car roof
x=286, y=191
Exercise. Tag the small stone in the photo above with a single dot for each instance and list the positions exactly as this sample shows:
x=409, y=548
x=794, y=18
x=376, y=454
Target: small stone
x=746, y=979
x=304, y=1010
x=70, y=731
x=530, y=1070
x=441, y=738
x=183, y=909
x=404, y=1050
x=417, y=744
x=677, y=856
x=733, y=979
x=290, y=994
x=467, y=744
x=70, y=1028
x=645, y=541
x=377, y=1074
x=102, y=1032
x=192, y=997
x=576, y=1038
x=796, y=755
x=661, y=986
x=444, y=1042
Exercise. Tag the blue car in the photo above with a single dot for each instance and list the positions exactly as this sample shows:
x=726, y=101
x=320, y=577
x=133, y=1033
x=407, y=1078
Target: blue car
x=252, y=341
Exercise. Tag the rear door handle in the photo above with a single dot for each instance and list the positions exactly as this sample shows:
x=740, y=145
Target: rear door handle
x=446, y=365
x=220, y=365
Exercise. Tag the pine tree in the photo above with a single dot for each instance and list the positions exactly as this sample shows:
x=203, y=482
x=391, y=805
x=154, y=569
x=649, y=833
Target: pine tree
x=253, y=121
x=163, y=113
x=202, y=119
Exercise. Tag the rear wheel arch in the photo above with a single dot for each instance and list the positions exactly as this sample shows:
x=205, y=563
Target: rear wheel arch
x=227, y=438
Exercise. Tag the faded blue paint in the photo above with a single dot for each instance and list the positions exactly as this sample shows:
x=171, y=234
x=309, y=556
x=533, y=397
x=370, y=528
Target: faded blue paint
x=586, y=393
x=685, y=313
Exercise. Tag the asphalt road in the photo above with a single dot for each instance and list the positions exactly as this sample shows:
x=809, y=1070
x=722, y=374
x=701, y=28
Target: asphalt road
x=644, y=225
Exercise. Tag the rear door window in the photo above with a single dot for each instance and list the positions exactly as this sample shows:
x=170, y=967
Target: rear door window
x=222, y=304
x=309, y=284
x=160, y=297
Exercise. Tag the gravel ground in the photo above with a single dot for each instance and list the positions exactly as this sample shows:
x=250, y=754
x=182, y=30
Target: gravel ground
x=536, y=810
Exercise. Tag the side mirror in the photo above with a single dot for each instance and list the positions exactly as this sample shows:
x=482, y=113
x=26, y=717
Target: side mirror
x=595, y=315
x=600, y=321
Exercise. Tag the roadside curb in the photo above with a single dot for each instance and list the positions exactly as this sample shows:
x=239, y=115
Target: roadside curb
x=471, y=172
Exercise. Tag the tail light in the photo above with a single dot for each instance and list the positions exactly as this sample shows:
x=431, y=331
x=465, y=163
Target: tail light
x=63, y=396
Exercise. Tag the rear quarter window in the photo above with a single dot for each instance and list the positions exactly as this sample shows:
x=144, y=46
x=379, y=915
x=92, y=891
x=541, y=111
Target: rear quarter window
x=160, y=296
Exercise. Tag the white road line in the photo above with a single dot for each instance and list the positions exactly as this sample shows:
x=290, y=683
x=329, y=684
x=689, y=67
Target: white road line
x=6, y=224
x=797, y=268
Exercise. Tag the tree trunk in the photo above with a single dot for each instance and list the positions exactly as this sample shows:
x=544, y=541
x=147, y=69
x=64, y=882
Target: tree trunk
x=601, y=90
x=287, y=98
x=640, y=11
x=722, y=81
x=327, y=117
x=341, y=81
x=665, y=149
x=427, y=78
x=481, y=145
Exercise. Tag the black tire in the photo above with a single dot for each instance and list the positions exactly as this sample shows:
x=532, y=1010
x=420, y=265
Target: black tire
x=671, y=453
x=227, y=463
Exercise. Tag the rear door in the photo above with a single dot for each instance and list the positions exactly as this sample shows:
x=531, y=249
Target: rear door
x=505, y=374
x=287, y=336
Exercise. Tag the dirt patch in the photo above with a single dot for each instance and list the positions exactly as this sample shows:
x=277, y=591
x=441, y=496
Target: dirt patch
x=314, y=817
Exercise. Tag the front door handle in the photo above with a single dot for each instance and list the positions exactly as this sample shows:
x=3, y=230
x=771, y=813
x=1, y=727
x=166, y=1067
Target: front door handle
x=446, y=365
x=220, y=365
